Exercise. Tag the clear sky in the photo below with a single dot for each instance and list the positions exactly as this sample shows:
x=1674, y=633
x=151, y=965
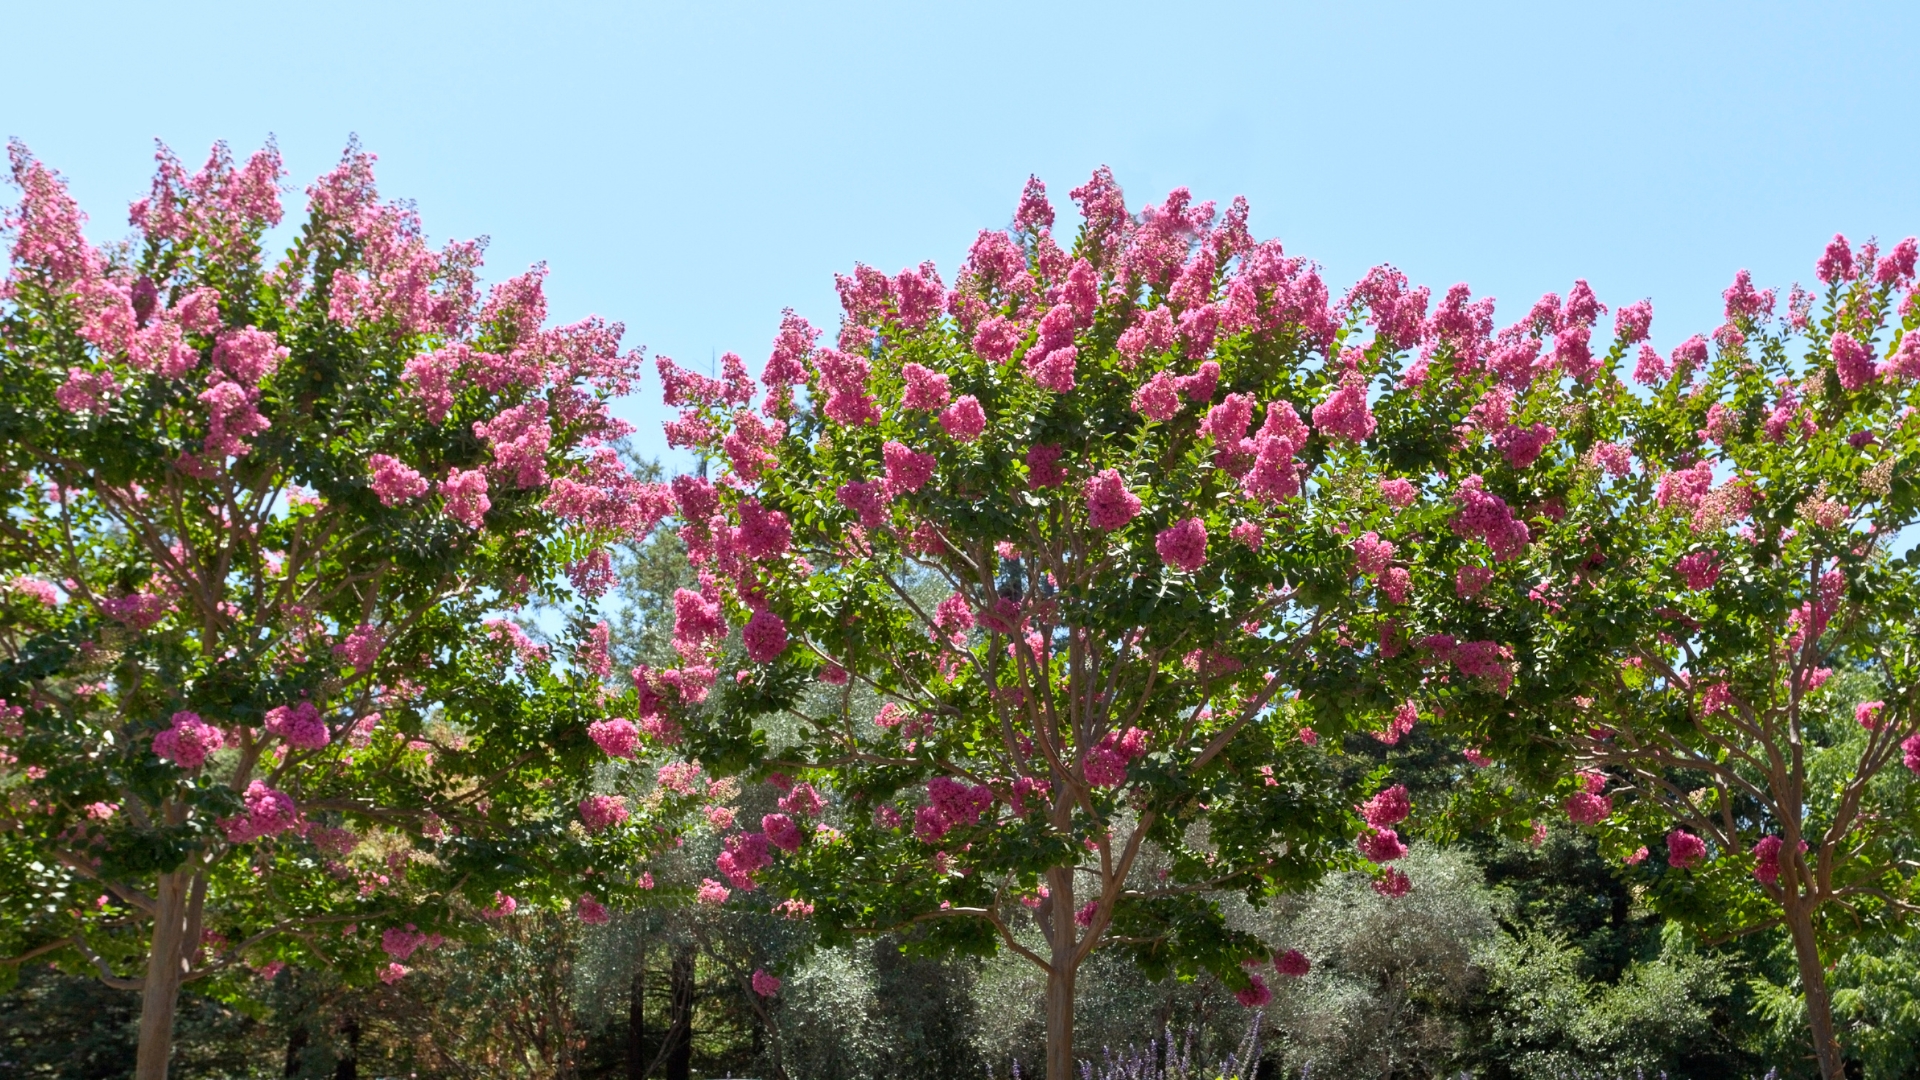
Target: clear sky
x=692, y=168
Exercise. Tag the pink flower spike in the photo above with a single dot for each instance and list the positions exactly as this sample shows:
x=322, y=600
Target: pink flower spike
x=1685, y=850
x=964, y=420
x=1183, y=546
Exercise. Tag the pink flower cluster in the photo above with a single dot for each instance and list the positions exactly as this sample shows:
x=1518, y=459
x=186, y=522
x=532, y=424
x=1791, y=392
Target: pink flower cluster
x=616, y=737
x=1345, y=414
x=591, y=911
x=746, y=854
x=1109, y=504
x=1183, y=545
x=299, y=725
x=269, y=812
x=394, y=482
x=1485, y=516
x=188, y=742
x=1388, y=807
x=1381, y=845
x=1106, y=762
x=950, y=803
x=1685, y=850
x=764, y=984
x=465, y=492
x=601, y=812
x=1699, y=569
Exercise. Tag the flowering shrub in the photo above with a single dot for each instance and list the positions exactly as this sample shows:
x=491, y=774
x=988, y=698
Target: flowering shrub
x=1711, y=589
x=256, y=511
x=1053, y=563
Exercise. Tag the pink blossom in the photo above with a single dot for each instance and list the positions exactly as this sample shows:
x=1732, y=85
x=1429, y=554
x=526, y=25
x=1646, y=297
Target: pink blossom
x=1153, y=332
x=1309, y=736
x=1638, y=856
x=695, y=618
x=907, y=469
x=1476, y=757
x=1766, y=859
x=1612, y=458
x=995, y=340
x=360, y=648
x=519, y=438
x=1183, y=545
x=188, y=742
x=1404, y=718
x=1345, y=414
x=1910, y=750
x=926, y=389
x=300, y=725
x=37, y=590
x=1852, y=362
x=765, y=637
x=782, y=832
x=1202, y=384
x=591, y=911
x=1392, y=883
x=1293, y=963
x=601, y=812
x=1043, y=469
x=1486, y=516
x=1248, y=534
x=1110, y=505
x=248, y=355
x=1905, y=362
x=1649, y=369
x=1371, y=555
x=763, y=532
x=1836, y=262
x=1469, y=581
x=1699, y=569
x=1587, y=808
x=844, y=377
x=680, y=777
x=1053, y=371
x=1898, y=264
x=465, y=492
x=616, y=737
x=1256, y=994
x=401, y=944
x=1685, y=850
x=1522, y=445
x=1388, y=807
x=503, y=906
x=954, y=616
x=1867, y=714
x=1399, y=493
x=802, y=801
x=1689, y=355
x=1158, y=399
x=764, y=984
x=1084, y=916
x=394, y=482
x=86, y=391
x=964, y=420
x=269, y=812
x=746, y=854
x=1630, y=323
x=1381, y=845
x=867, y=499
x=394, y=972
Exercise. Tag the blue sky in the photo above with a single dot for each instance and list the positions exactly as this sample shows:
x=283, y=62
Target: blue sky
x=690, y=169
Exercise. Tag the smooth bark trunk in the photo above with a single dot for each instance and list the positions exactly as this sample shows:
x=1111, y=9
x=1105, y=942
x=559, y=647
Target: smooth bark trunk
x=1060, y=977
x=160, y=991
x=1813, y=980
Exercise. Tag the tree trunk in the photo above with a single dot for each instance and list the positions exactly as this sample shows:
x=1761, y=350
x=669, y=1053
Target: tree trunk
x=348, y=1067
x=296, y=1050
x=1813, y=980
x=1060, y=975
x=680, y=1027
x=160, y=991
x=637, y=1023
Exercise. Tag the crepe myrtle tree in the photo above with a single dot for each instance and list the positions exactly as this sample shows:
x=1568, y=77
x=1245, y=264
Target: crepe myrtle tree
x=1054, y=575
x=265, y=528
x=1711, y=642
